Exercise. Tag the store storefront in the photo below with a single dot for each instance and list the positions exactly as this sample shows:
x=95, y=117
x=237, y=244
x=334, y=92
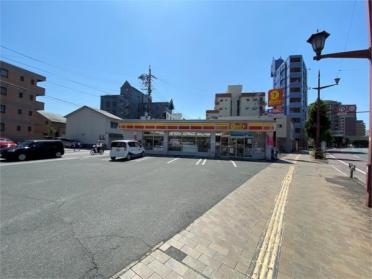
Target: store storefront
x=208, y=138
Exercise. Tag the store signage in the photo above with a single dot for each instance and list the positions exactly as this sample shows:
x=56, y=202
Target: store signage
x=238, y=126
x=278, y=110
x=345, y=109
x=199, y=126
x=276, y=97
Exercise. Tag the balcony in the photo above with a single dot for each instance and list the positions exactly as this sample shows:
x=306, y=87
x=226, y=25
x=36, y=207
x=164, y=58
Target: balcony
x=295, y=75
x=38, y=91
x=38, y=105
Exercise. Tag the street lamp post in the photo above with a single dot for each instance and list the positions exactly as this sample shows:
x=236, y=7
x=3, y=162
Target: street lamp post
x=317, y=41
x=318, y=153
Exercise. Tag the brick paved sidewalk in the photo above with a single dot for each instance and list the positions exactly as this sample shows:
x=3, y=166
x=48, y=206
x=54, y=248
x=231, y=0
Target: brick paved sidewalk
x=236, y=237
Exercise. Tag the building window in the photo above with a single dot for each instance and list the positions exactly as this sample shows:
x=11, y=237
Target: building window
x=298, y=130
x=108, y=104
x=296, y=79
x=114, y=125
x=32, y=82
x=19, y=111
x=22, y=78
x=30, y=113
x=4, y=91
x=295, y=100
x=31, y=97
x=295, y=89
x=18, y=128
x=2, y=127
x=20, y=95
x=295, y=110
x=47, y=122
x=295, y=70
x=29, y=128
x=114, y=104
x=3, y=72
x=296, y=120
x=2, y=108
x=295, y=59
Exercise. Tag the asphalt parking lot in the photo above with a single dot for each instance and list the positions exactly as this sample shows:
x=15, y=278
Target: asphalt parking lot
x=84, y=216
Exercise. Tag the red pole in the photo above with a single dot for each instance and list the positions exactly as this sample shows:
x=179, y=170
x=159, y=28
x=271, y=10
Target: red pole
x=369, y=171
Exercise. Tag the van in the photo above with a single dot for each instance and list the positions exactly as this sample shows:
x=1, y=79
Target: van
x=126, y=149
x=34, y=149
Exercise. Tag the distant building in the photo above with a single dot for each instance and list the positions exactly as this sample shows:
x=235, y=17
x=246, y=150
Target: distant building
x=50, y=124
x=234, y=102
x=89, y=125
x=18, y=104
x=291, y=75
x=360, y=128
x=132, y=104
x=343, y=119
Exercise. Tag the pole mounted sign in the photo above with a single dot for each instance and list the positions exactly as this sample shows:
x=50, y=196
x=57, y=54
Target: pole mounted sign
x=276, y=97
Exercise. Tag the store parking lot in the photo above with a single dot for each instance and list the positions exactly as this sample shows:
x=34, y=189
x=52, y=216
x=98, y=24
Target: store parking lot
x=83, y=216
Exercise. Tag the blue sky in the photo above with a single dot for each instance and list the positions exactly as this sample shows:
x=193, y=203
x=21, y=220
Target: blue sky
x=195, y=48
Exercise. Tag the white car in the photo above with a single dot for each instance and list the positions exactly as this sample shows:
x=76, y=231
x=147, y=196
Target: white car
x=126, y=149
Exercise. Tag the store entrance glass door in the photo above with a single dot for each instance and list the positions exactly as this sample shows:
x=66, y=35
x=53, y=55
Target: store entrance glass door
x=232, y=146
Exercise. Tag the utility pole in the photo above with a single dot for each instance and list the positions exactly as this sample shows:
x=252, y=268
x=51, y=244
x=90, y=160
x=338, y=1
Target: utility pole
x=146, y=80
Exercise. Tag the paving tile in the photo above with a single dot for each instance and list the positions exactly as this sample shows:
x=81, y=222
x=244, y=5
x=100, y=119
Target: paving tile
x=160, y=256
x=176, y=266
x=129, y=274
x=160, y=268
x=142, y=270
x=194, y=263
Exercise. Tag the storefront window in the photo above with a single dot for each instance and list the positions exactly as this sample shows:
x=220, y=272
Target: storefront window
x=153, y=140
x=189, y=142
x=203, y=142
x=175, y=141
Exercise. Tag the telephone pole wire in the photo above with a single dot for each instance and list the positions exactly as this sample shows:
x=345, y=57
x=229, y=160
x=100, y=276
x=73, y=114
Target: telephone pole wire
x=147, y=80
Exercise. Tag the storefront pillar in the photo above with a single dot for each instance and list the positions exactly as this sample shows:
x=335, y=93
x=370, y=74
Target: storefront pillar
x=212, y=150
x=165, y=141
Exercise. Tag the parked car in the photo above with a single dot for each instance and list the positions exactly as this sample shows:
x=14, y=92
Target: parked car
x=67, y=142
x=34, y=149
x=6, y=143
x=126, y=149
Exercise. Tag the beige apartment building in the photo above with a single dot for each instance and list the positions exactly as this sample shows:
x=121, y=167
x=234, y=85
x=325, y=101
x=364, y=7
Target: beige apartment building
x=18, y=104
x=234, y=102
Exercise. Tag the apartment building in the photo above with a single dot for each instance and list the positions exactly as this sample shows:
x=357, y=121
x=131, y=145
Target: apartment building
x=234, y=102
x=132, y=104
x=360, y=128
x=18, y=102
x=343, y=119
x=291, y=76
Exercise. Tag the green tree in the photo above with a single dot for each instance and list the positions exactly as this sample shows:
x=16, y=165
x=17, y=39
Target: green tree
x=325, y=124
x=50, y=131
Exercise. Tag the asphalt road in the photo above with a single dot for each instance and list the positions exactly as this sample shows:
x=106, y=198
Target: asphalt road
x=341, y=157
x=83, y=216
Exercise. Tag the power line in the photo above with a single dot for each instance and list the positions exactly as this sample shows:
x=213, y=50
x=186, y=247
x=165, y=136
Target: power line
x=61, y=68
x=66, y=87
x=46, y=96
x=53, y=74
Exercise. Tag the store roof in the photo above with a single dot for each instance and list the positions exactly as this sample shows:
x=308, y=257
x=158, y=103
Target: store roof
x=53, y=117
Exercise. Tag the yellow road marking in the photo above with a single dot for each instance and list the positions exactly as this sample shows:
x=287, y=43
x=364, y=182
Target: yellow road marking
x=266, y=260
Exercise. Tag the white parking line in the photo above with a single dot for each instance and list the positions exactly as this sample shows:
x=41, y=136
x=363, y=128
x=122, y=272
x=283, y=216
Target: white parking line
x=346, y=164
x=205, y=160
x=35, y=162
x=339, y=170
x=234, y=164
x=171, y=161
x=198, y=162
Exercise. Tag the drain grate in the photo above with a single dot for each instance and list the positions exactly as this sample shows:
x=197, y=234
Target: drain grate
x=175, y=253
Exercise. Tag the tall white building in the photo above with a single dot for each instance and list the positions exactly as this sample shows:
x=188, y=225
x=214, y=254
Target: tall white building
x=234, y=102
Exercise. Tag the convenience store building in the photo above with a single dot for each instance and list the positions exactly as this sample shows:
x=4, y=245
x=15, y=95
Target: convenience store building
x=232, y=138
